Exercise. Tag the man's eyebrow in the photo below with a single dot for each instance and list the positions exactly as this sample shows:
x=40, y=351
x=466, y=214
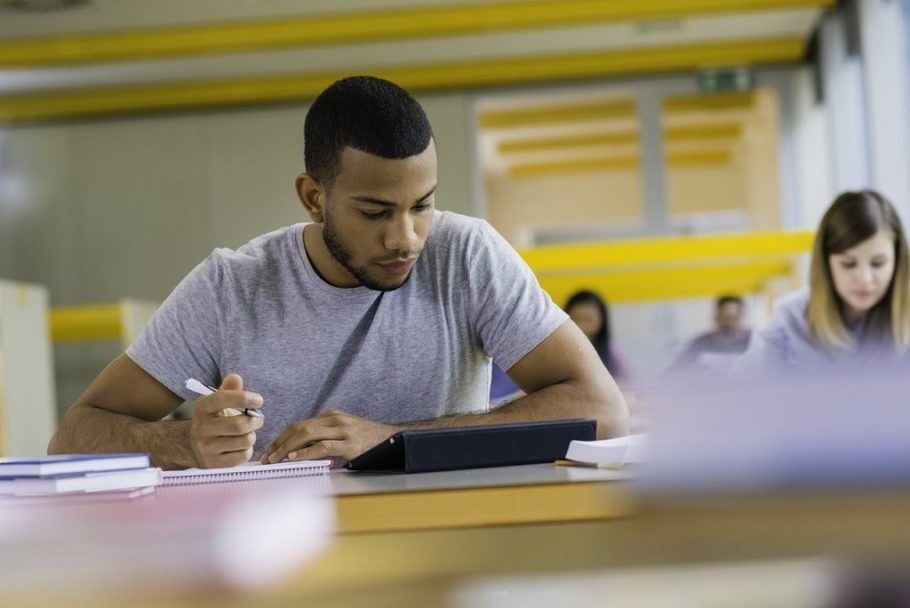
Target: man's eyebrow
x=378, y=201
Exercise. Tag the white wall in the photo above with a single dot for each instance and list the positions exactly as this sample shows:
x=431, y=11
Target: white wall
x=886, y=85
x=842, y=78
x=27, y=416
x=858, y=136
x=815, y=185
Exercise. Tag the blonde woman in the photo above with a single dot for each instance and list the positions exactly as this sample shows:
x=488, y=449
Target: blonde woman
x=857, y=304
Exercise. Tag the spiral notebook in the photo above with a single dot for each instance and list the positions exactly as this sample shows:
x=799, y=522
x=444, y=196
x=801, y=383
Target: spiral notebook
x=246, y=472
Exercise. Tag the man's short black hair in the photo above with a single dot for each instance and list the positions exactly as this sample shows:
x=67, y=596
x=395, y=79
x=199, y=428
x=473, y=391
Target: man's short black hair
x=366, y=113
x=728, y=299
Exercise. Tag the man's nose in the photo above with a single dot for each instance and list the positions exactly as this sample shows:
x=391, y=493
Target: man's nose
x=400, y=235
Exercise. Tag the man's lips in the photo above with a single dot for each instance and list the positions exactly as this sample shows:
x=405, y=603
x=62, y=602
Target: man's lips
x=398, y=266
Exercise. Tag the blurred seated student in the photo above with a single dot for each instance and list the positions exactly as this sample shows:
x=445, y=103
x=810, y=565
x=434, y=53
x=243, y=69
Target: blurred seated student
x=592, y=316
x=856, y=307
x=717, y=348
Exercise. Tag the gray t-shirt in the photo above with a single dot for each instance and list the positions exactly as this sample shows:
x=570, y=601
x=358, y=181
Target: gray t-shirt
x=418, y=352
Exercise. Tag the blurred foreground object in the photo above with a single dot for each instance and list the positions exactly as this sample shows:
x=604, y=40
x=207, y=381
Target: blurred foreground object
x=846, y=427
x=161, y=545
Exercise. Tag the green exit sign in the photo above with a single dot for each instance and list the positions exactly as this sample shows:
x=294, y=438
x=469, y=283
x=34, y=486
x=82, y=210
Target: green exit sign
x=723, y=81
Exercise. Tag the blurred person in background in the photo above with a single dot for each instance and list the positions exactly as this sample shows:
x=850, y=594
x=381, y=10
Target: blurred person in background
x=716, y=349
x=856, y=307
x=592, y=316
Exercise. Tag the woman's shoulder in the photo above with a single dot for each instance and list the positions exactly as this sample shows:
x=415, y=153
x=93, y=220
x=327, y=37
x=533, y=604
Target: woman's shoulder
x=795, y=302
x=789, y=313
x=783, y=340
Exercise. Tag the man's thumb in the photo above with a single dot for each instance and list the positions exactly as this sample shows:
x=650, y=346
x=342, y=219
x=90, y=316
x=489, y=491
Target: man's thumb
x=231, y=382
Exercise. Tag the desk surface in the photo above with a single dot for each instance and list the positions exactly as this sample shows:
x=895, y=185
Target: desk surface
x=477, y=497
x=421, y=565
x=348, y=483
x=424, y=567
x=868, y=529
x=374, y=502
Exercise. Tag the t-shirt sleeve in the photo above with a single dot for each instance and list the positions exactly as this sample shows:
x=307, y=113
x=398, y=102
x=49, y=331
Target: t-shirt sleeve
x=185, y=336
x=512, y=313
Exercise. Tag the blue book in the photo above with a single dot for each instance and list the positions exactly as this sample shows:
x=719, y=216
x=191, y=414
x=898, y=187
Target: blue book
x=70, y=464
x=105, y=481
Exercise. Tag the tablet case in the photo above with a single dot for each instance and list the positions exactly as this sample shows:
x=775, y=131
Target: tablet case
x=424, y=450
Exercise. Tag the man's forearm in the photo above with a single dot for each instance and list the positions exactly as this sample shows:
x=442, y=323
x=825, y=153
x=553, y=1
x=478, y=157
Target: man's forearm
x=556, y=402
x=89, y=429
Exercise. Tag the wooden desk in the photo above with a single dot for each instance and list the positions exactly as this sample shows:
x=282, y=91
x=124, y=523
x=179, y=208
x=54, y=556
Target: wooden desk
x=373, y=502
x=370, y=502
x=423, y=566
x=867, y=529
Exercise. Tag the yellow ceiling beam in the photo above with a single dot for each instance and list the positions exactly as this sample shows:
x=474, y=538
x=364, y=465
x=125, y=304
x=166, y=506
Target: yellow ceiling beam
x=557, y=114
x=710, y=102
x=586, y=165
x=690, y=133
x=669, y=283
x=666, y=250
x=698, y=158
x=723, y=131
x=92, y=322
x=625, y=162
x=359, y=26
x=550, y=114
x=473, y=74
x=581, y=140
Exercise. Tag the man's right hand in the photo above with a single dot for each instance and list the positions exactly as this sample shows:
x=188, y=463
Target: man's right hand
x=221, y=436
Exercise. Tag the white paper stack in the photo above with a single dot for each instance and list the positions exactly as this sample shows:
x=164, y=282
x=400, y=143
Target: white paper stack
x=616, y=452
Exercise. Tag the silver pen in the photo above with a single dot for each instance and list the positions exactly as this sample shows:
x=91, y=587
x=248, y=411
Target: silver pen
x=204, y=389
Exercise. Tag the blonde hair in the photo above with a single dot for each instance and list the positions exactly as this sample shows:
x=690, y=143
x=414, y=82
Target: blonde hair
x=852, y=218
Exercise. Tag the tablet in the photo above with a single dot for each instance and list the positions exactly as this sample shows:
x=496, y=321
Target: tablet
x=470, y=447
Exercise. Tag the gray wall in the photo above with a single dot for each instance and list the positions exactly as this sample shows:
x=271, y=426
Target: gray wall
x=102, y=210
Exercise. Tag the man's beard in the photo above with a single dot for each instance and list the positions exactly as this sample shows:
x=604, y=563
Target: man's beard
x=338, y=251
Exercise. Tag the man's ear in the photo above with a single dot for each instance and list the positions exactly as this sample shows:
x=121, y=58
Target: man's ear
x=312, y=195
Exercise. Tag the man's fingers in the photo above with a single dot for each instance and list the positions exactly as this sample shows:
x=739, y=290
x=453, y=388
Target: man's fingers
x=214, y=404
x=224, y=445
x=228, y=459
x=217, y=435
x=323, y=450
x=231, y=382
x=299, y=436
x=284, y=437
x=221, y=435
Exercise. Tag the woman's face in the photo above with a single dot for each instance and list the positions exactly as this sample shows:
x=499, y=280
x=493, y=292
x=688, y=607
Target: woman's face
x=862, y=274
x=587, y=316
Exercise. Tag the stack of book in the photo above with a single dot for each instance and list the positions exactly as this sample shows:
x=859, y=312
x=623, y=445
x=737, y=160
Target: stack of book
x=85, y=474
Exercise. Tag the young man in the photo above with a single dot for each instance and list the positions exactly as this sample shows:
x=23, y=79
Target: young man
x=381, y=314
x=717, y=348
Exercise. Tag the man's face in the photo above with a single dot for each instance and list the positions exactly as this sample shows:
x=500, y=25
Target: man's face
x=378, y=214
x=729, y=317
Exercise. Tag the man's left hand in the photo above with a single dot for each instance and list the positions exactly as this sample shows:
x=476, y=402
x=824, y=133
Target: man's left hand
x=331, y=434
